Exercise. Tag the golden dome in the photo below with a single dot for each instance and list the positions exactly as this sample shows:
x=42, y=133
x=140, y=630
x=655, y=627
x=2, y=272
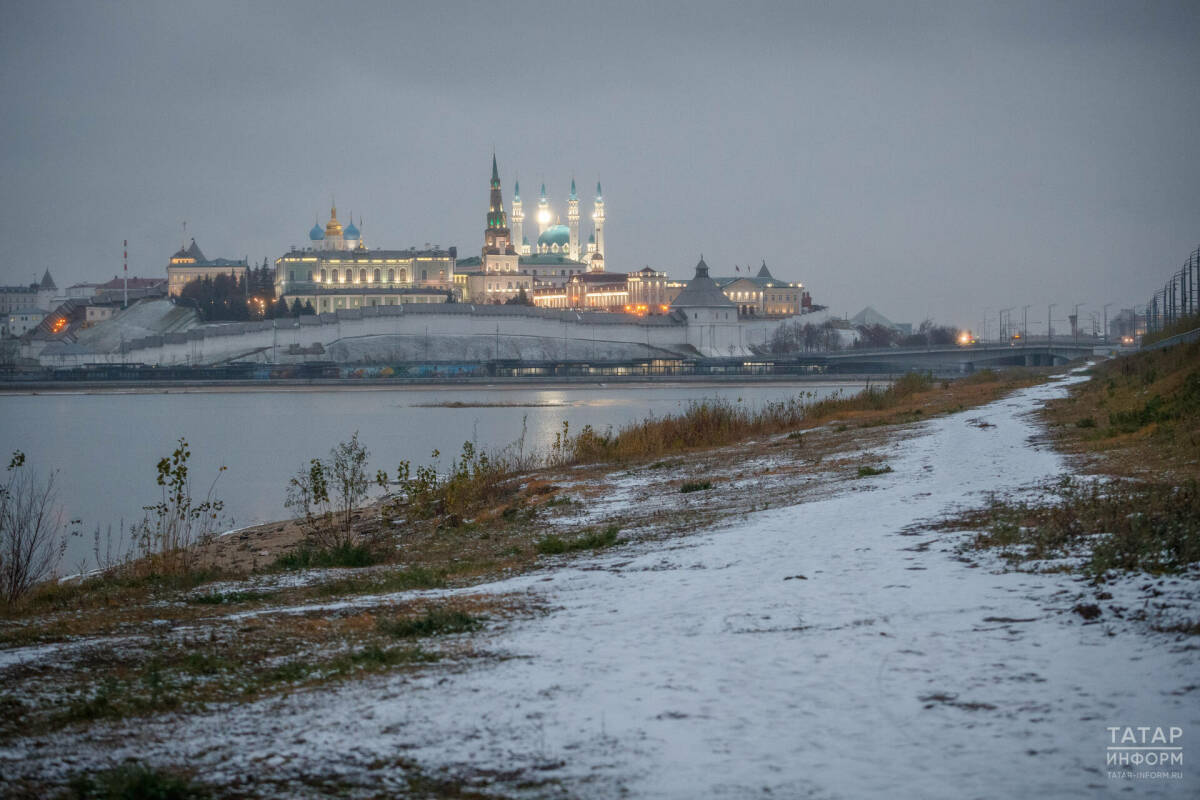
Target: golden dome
x=333, y=227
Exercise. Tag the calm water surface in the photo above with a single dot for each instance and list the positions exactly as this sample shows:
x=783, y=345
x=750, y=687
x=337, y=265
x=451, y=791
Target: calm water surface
x=105, y=446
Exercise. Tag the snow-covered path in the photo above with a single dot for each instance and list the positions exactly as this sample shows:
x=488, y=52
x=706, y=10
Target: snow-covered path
x=809, y=651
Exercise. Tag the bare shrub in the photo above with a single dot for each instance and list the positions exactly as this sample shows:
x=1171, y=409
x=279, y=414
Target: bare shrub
x=171, y=534
x=33, y=533
x=325, y=494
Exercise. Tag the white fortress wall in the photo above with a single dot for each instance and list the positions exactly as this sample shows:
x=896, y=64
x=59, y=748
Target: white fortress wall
x=272, y=340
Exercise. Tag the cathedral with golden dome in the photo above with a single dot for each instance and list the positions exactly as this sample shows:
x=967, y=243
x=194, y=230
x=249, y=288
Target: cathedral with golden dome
x=337, y=271
x=333, y=236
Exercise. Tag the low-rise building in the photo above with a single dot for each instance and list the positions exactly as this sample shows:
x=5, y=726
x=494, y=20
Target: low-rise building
x=39, y=294
x=189, y=264
x=21, y=320
x=763, y=295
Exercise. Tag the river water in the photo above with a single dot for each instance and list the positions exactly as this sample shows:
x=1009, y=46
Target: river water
x=104, y=446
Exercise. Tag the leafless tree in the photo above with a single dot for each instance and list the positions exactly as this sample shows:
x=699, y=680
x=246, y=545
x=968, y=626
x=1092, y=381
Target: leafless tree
x=33, y=533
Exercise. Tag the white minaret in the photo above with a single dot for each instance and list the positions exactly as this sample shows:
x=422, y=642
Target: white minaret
x=543, y=212
x=518, y=219
x=573, y=223
x=598, y=218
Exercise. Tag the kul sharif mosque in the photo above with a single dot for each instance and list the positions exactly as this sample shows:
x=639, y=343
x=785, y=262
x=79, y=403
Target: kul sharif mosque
x=557, y=238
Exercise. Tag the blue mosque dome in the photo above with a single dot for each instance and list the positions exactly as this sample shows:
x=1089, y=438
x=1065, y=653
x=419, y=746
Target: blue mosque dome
x=351, y=231
x=317, y=233
x=555, y=235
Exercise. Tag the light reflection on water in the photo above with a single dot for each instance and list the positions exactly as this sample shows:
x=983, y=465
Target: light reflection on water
x=105, y=446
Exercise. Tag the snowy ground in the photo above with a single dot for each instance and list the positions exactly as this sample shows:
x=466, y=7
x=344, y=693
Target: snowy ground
x=830, y=649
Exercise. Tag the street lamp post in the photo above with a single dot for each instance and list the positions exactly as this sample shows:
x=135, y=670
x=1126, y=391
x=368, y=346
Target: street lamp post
x=1025, y=324
x=1050, y=324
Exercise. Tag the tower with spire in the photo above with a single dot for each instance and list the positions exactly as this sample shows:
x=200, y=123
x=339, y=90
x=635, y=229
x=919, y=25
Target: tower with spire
x=573, y=223
x=543, y=212
x=598, y=219
x=518, y=221
x=499, y=255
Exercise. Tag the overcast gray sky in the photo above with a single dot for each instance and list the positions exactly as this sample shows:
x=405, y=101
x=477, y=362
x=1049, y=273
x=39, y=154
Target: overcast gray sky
x=930, y=159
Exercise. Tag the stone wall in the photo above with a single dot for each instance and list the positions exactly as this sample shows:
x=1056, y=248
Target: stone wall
x=514, y=331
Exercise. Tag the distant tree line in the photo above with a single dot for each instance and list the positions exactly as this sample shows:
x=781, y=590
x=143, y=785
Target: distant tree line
x=237, y=299
x=808, y=337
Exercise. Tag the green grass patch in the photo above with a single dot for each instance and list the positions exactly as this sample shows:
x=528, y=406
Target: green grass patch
x=434, y=622
x=866, y=471
x=1118, y=526
x=343, y=556
x=134, y=782
x=590, y=540
x=226, y=598
x=695, y=486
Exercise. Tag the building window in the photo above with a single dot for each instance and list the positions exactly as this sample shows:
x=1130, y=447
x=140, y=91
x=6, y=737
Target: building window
x=362, y=276
x=323, y=276
x=335, y=276
x=291, y=274
x=424, y=274
x=391, y=276
x=403, y=275
x=377, y=274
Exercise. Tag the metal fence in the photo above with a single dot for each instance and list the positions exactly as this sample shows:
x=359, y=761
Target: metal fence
x=1178, y=298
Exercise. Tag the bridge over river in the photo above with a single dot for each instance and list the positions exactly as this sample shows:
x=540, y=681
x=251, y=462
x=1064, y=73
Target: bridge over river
x=957, y=358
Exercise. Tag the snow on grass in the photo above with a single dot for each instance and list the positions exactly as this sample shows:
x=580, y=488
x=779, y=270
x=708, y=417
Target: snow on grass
x=810, y=650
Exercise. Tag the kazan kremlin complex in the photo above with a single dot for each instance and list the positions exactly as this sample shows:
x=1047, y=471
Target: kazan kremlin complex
x=337, y=270
x=557, y=299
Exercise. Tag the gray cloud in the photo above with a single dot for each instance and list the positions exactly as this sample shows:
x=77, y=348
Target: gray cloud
x=930, y=159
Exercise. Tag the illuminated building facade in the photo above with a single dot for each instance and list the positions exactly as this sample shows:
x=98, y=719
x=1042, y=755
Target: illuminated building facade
x=337, y=271
x=763, y=295
x=505, y=268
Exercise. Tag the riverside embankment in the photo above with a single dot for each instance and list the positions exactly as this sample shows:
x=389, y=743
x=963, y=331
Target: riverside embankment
x=782, y=614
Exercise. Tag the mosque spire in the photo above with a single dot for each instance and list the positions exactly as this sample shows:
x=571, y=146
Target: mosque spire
x=573, y=223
